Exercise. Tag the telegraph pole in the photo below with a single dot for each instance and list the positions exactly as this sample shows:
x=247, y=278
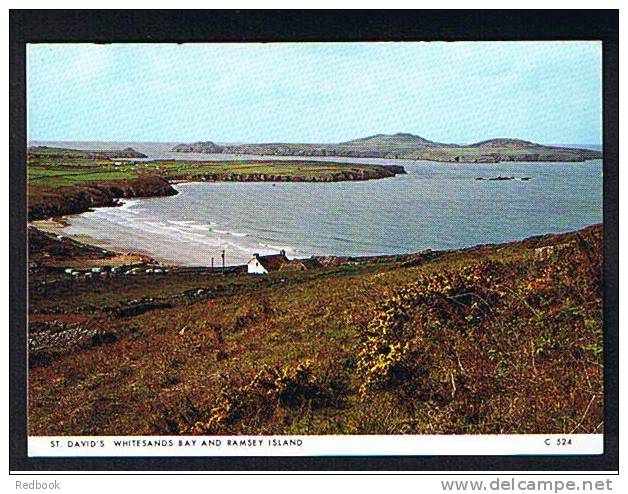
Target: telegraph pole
x=223, y=259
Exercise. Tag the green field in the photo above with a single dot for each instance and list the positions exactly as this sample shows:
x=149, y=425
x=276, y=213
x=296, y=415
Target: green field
x=62, y=181
x=54, y=172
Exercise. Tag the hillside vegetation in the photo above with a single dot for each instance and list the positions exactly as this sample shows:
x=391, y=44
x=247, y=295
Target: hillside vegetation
x=494, y=339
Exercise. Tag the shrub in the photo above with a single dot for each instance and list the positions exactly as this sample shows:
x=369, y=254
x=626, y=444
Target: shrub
x=390, y=351
x=270, y=388
x=494, y=346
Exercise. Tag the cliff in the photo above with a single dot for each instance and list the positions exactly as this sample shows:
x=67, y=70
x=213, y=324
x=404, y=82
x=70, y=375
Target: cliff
x=78, y=199
x=366, y=173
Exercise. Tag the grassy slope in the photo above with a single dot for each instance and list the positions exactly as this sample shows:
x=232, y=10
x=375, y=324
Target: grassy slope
x=291, y=352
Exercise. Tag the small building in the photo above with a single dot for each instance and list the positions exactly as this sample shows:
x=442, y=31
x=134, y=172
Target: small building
x=266, y=264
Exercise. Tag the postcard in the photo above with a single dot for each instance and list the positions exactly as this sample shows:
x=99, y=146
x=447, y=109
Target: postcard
x=315, y=249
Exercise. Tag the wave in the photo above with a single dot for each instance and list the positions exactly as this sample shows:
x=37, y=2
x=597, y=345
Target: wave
x=287, y=248
x=227, y=232
x=192, y=225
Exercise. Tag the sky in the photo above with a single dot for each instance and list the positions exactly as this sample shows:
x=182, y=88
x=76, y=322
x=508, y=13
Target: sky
x=547, y=92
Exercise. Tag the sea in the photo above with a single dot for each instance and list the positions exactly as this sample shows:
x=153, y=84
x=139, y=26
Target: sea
x=435, y=205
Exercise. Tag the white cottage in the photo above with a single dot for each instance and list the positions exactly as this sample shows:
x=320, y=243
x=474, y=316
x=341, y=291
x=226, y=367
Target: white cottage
x=266, y=264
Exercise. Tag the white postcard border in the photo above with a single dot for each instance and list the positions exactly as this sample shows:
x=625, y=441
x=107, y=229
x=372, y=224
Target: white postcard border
x=358, y=445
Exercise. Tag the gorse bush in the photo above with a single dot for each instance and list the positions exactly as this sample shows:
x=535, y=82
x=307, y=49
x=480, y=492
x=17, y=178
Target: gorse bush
x=401, y=334
x=270, y=388
x=478, y=347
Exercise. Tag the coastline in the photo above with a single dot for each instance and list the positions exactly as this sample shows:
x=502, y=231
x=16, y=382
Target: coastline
x=90, y=196
x=56, y=226
x=46, y=201
x=219, y=195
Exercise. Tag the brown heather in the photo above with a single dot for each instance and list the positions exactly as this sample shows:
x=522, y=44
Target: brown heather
x=494, y=339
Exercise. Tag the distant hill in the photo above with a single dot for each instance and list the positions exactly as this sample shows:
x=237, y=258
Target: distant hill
x=406, y=146
x=197, y=147
x=500, y=143
x=400, y=139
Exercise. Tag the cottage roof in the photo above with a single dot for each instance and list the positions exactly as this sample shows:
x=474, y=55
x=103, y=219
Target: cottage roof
x=272, y=262
x=308, y=263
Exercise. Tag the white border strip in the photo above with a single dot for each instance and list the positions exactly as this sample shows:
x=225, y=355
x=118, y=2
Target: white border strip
x=205, y=446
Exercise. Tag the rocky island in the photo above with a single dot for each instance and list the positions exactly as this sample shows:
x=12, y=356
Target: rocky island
x=406, y=146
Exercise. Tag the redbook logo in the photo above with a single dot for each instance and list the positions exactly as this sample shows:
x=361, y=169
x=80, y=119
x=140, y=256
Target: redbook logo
x=36, y=485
